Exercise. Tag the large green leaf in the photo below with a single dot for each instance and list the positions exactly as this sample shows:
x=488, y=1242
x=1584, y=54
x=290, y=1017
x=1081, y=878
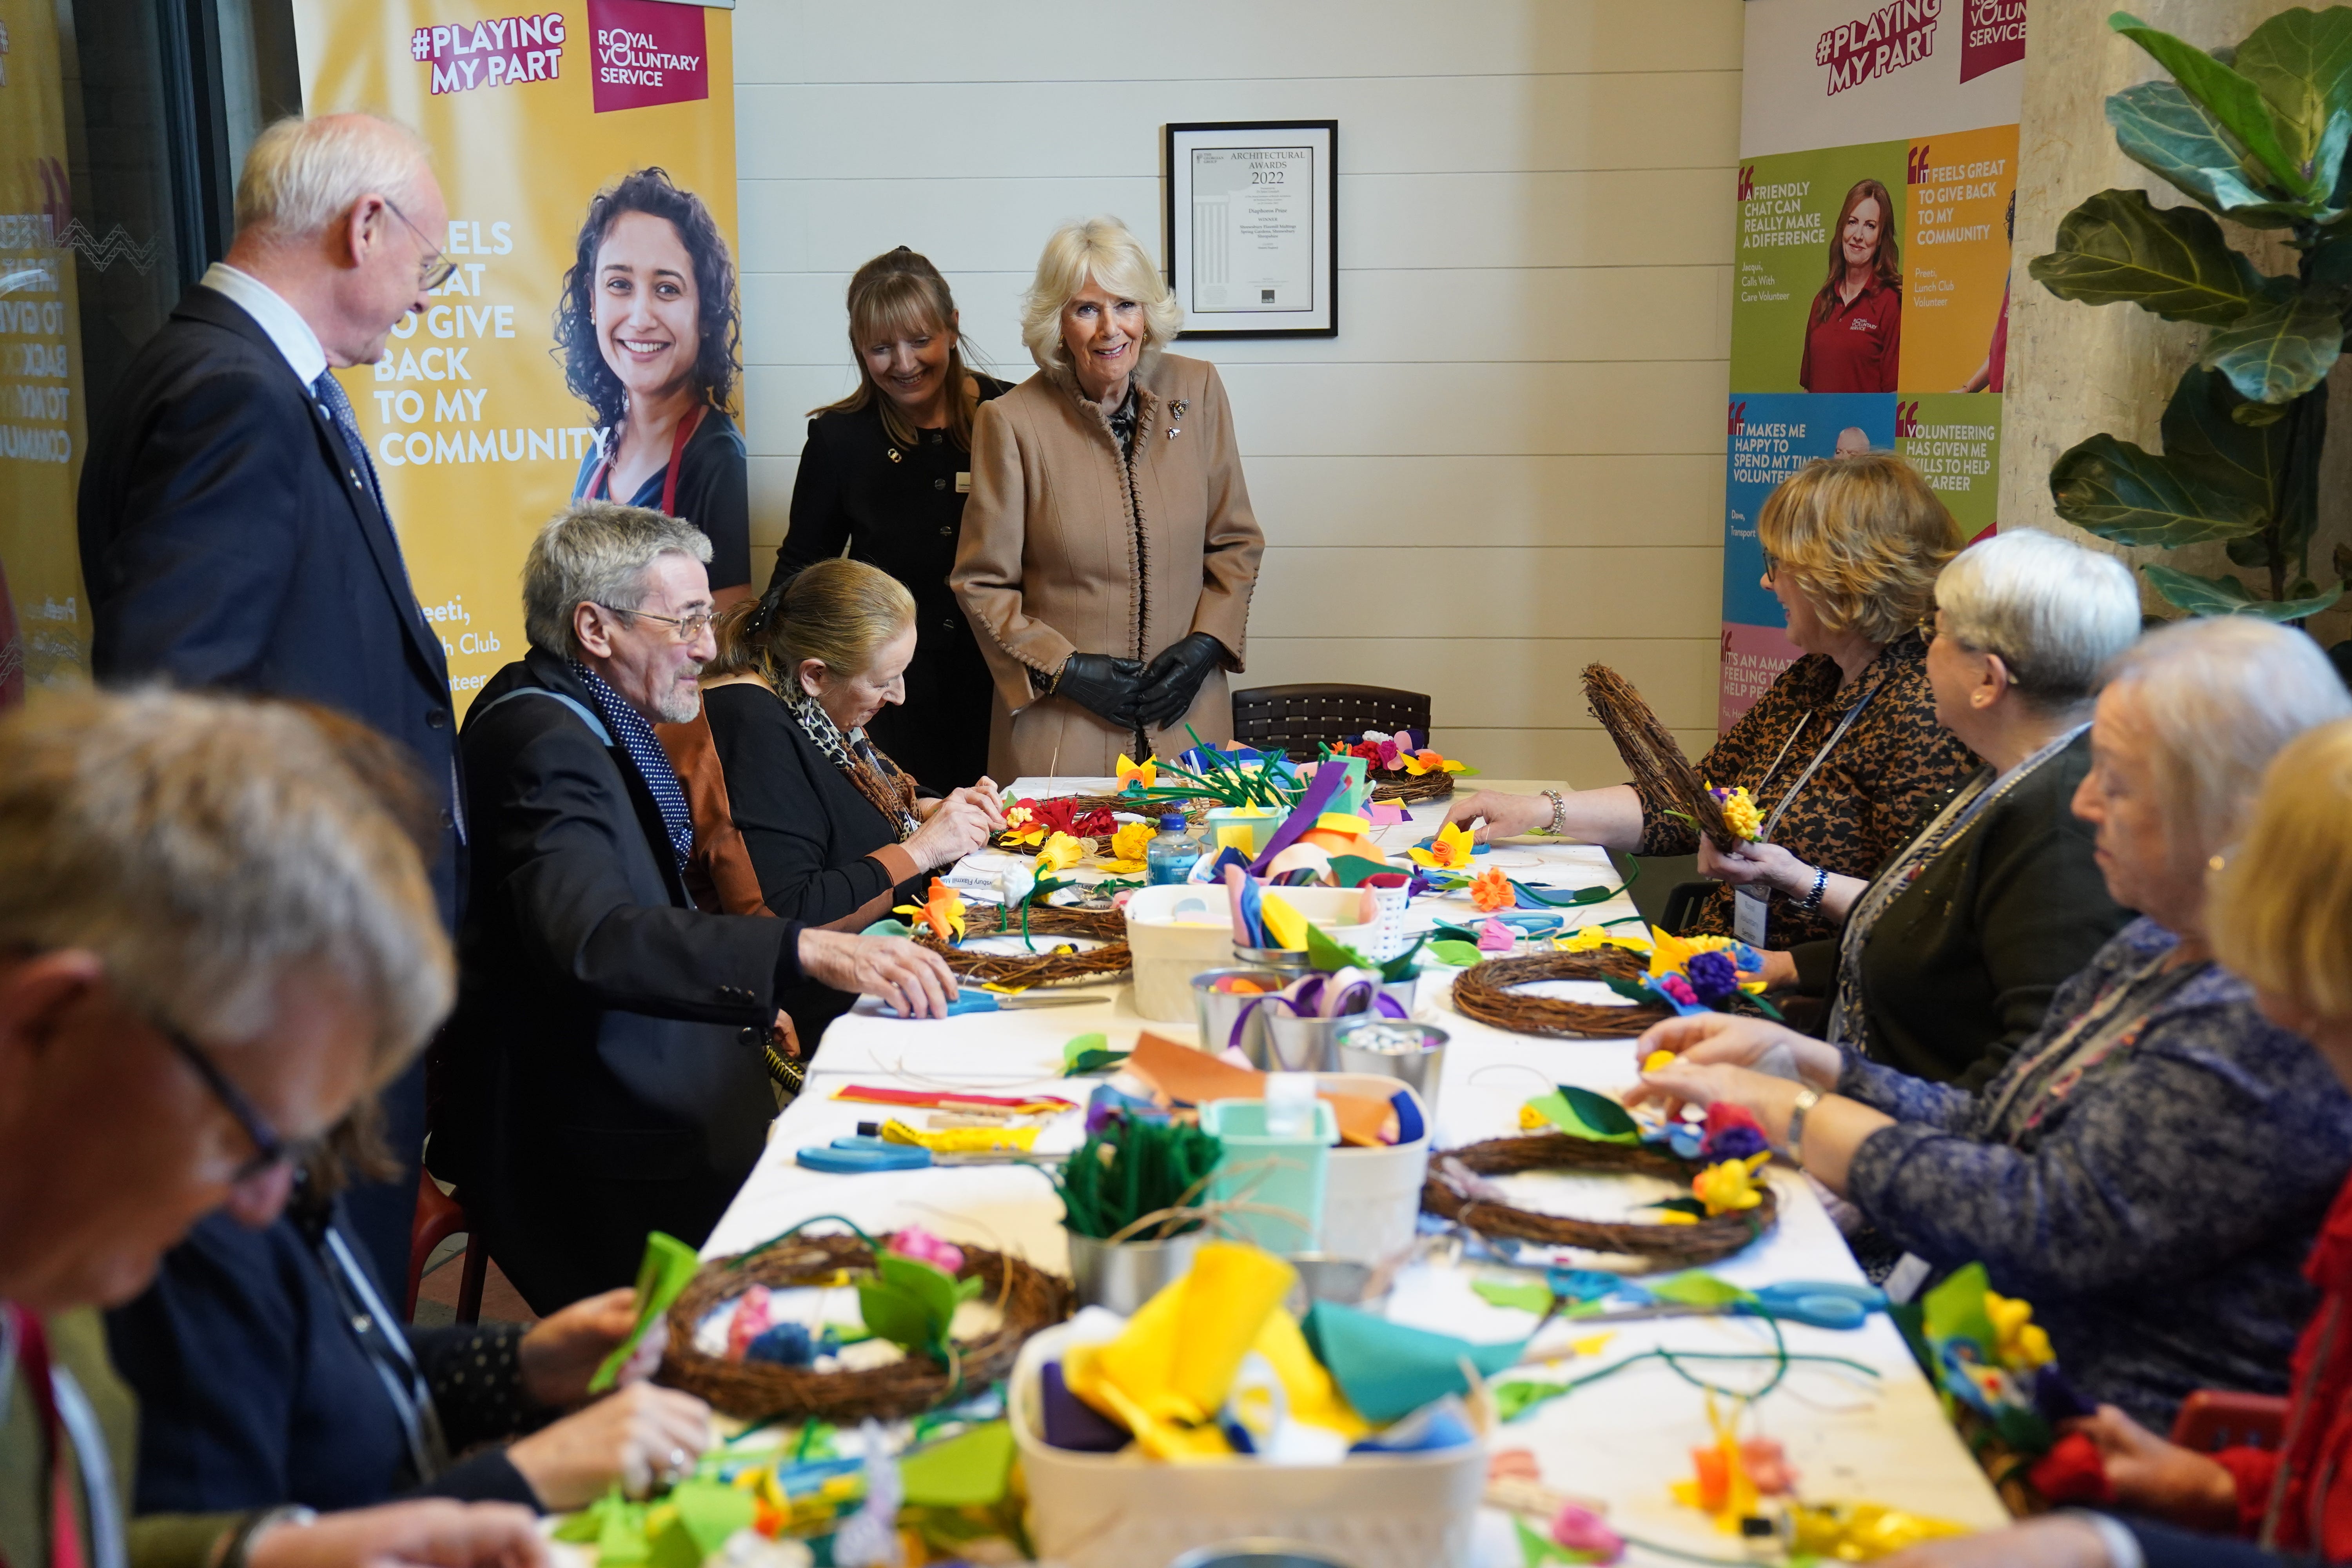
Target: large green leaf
x=2199, y=423
x=2301, y=62
x=2279, y=350
x=2165, y=131
x=2236, y=101
x=2170, y=261
x=2227, y=596
x=2133, y=496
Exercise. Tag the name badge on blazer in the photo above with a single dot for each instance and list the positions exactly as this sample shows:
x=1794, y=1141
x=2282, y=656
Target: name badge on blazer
x=964, y=484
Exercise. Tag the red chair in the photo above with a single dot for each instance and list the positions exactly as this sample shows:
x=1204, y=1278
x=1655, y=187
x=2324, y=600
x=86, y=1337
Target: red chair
x=439, y=1216
x=2211, y=1419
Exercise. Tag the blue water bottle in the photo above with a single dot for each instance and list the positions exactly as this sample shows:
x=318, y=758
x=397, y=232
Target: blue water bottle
x=1169, y=857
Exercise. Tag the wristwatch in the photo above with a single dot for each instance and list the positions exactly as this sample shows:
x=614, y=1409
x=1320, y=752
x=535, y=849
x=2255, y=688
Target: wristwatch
x=1813, y=900
x=237, y=1550
x=1807, y=1098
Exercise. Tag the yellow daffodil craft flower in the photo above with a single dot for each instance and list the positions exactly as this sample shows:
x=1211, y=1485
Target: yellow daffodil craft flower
x=1739, y=813
x=1022, y=826
x=2023, y=1345
x=941, y=909
x=1450, y=851
x=1060, y=852
x=1426, y=762
x=1125, y=857
x=1730, y=1186
x=1145, y=774
x=1592, y=939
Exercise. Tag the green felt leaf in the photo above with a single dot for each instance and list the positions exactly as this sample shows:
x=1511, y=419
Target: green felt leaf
x=968, y=1470
x=1698, y=1288
x=1560, y=898
x=1609, y=1122
x=1443, y=932
x=1078, y=1046
x=895, y=1315
x=667, y=1269
x=1460, y=955
x=1954, y=1309
x=1351, y=869
x=1680, y=1205
x=2231, y=97
x=1632, y=990
x=1091, y=1062
x=1405, y=964
x=1329, y=956
x=1527, y=1296
x=2172, y=261
x=2227, y=596
x=707, y=1513
x=928, y=1283
x=2280, y=348
x=888, y=928
x=1515, y=1399
x=2121, y=492
x=1536, y=1550
x=2170, y=134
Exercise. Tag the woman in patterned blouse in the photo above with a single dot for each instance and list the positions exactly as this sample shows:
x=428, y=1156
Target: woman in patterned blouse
x=2152, y=1168
x=1843, y=754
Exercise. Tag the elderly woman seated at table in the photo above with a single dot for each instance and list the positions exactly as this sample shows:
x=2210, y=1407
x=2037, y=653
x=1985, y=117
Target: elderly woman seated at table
x=2280, y=909
x=1950, y=955
x=2151, y=1169
x=1843, y=754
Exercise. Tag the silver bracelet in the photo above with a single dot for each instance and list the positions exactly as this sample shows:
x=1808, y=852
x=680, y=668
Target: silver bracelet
x=1807, y=1098
x=238, y=1549
x=1813, y=900
x=1559, y=811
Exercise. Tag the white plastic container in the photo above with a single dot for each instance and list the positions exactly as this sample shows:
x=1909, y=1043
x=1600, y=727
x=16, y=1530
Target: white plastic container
x=1372, y=1197
x=1175, y=933
x=1121, y=1511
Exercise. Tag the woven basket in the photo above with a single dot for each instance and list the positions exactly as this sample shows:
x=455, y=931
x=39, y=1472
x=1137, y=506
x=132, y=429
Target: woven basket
x=1405, y=789
x=1029, y=1299
x=1678, y=1246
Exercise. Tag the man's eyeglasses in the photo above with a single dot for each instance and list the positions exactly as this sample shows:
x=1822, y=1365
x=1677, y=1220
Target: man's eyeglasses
x=436, y=268
x=269, y=1150
x=686, y=629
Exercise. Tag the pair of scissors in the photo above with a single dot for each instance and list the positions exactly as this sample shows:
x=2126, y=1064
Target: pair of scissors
x=862, y=1154
x=967, y=1002
x=1822, y=1303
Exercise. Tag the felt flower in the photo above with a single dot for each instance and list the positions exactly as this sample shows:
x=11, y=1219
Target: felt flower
x=1732, y=1132
x=1142, y=774
x=2024, y=1343
x=1676, y=986
x=1657, y=1059
x=1451, y=850
x=941, y=909
x=1730, y=1187
x=1491, y=891
x=1739, y=813
x=1496, y=937
x=1713, y=978
x=1581, y=1530
x=918, y=1243
x=1128, y=842
x=1388, y=750
x=1022, y=825
x=1591, y=939
x=1428, y=762
x=1060, y=852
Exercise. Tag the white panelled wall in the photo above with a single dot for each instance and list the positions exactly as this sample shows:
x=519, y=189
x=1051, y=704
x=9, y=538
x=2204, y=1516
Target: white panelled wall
x=1508, y=463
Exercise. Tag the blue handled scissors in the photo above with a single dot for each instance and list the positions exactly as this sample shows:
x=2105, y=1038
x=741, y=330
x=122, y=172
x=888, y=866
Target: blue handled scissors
x=1822, y=1303
x=968, y=1002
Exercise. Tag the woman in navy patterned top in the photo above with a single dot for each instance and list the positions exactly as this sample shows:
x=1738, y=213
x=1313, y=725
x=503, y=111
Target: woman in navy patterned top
x=2152, y=1166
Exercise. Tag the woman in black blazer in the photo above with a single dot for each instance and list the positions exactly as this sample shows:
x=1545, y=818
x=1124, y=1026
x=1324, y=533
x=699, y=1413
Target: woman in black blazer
x=1951, y=953
x=836, y=831
x=885, y=474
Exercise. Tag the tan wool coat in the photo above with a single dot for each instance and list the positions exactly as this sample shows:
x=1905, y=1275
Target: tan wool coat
x=1067, y=547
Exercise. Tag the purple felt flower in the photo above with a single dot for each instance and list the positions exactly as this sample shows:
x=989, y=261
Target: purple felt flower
x=1713, y=978
x=1734, y=1143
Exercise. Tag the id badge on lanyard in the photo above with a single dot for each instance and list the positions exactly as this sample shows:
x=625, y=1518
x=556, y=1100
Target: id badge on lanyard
x=1751, y=914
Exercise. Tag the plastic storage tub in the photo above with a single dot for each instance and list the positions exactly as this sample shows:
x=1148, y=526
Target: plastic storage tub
x=1372, y=1197
x=1174, y=932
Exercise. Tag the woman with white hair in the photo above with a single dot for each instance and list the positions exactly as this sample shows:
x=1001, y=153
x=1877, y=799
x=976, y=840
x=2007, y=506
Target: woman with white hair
x=1108, y=548
x=1949, y=955
x=2151, y=1169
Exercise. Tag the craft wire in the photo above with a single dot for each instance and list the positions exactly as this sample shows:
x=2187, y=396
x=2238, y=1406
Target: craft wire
x=1538, y=1073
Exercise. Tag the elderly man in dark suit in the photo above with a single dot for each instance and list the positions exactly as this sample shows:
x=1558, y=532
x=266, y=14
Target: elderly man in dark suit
x=610, y=1040
x=233, y=535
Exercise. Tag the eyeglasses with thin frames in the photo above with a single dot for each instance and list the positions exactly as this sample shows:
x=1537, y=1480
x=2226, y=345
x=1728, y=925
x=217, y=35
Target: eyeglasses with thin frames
x=686, y=629
x=436, y=268
x=269, y=1148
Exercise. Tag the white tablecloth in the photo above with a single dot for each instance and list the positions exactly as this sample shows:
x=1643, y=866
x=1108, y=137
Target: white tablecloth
x=1621, y=1440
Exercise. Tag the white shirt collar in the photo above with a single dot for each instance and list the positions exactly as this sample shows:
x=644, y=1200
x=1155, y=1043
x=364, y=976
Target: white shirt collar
x=285, y=325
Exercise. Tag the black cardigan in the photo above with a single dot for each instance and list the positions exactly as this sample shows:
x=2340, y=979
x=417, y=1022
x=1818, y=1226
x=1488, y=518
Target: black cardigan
x=902, y=507
x=1961, y=967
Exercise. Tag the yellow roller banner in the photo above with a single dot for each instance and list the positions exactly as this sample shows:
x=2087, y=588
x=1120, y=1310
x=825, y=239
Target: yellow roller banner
x=44, y=615
x=476, y=433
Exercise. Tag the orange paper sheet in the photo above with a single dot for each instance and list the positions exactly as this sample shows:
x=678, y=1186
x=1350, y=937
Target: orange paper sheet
x=1181, y=1072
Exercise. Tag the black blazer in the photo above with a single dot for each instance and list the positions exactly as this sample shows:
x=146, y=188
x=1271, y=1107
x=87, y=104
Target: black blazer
x=899, y=508
x=253, y=1391
x=1961, y=967
x=605, y=1059
x=229, y=539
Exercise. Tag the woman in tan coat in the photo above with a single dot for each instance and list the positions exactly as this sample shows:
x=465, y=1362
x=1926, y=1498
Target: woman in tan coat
x=1108, y=548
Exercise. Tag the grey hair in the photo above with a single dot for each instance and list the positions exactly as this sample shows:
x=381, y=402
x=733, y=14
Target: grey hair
x=2220, y=697
x=208, y=849
x=2054, y=612
x=1100, y=250
x=596, y=552
x=304, y=174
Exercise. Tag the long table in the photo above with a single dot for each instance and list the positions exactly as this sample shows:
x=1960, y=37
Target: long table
x=1621, y=1440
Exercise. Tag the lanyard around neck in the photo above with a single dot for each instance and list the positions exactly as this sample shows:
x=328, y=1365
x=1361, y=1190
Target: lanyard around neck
x=678, y=438
x=1820, y=757
x=66, y=1417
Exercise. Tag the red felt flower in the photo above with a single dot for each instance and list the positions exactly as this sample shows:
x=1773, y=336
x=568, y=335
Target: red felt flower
x=2072, y=1472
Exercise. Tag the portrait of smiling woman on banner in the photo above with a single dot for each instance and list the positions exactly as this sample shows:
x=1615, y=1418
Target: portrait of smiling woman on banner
x=651, y=341
x=1854, y=337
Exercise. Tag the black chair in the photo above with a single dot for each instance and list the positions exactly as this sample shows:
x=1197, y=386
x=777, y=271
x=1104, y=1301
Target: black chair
x=1298, y=717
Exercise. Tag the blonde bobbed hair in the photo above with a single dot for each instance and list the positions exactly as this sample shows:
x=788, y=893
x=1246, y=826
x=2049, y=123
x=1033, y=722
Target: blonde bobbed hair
x=1865, y=538
x=836, y=611
x=1099, y=250
x=2282, y=902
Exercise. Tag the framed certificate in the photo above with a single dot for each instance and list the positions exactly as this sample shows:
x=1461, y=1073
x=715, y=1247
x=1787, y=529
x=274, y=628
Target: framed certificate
x=1252, y=249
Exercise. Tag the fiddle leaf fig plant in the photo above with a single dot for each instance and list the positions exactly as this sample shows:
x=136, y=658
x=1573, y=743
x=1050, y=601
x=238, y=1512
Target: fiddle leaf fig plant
x=2257, y=134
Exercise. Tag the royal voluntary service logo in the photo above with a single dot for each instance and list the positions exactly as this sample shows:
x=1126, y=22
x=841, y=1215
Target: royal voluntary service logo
x=644, y=52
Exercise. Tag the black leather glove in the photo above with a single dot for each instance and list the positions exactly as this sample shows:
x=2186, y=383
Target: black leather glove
x=1174, y=678
x=1101, y=684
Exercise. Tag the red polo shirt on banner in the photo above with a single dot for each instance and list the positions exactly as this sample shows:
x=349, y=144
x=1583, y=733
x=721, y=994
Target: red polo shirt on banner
x=1856, y=347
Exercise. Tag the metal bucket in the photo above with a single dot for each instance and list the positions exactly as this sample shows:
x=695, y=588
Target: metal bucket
x=1217, y=1011
x=1123, y=1277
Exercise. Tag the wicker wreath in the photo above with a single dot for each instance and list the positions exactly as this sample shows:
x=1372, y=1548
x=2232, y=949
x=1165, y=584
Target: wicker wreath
x=1680, y=1246
x=1403, y=788
x=1076, y=967
x=1047, y=920
x=1029, y=1299
x=1484, y=992
x=1663, y=776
